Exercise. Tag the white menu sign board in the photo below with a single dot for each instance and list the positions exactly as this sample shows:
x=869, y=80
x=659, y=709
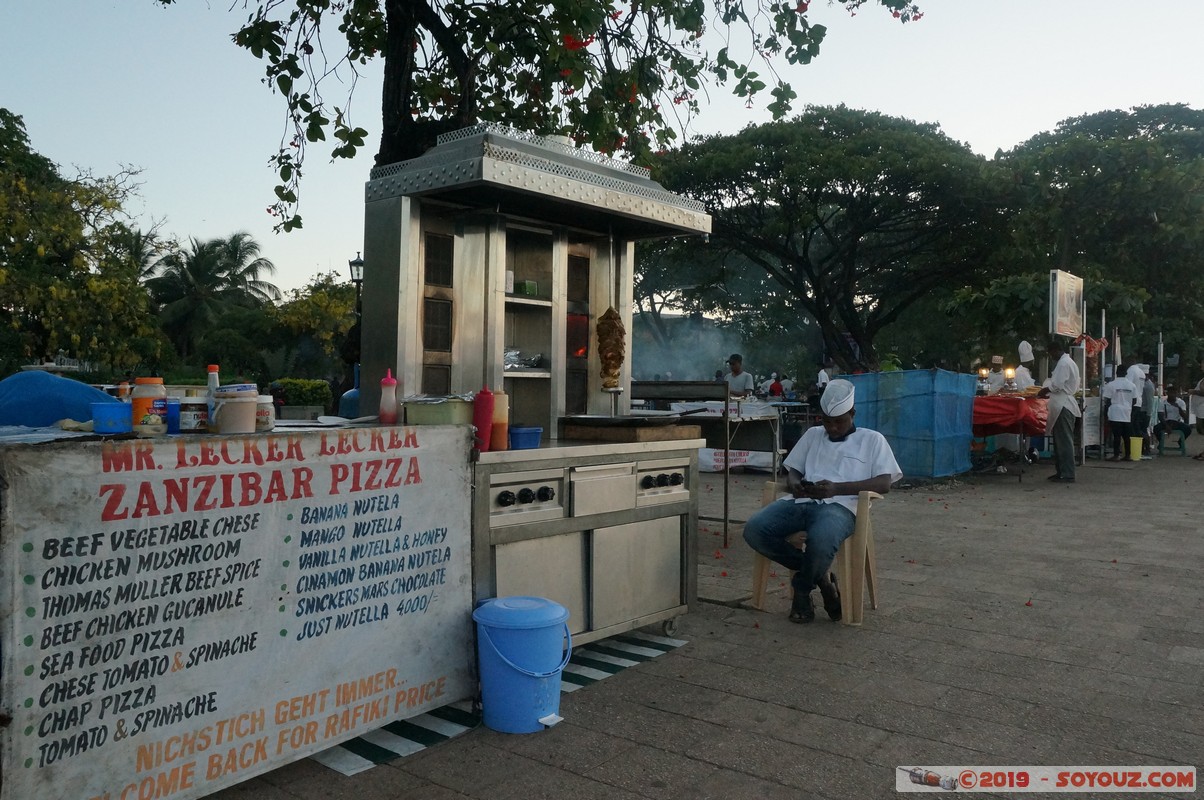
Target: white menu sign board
x=183, y=614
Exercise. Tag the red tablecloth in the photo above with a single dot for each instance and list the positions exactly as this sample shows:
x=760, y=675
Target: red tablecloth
x=1002, y=414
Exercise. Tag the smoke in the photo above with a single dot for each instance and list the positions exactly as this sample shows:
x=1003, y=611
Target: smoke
x=692, y=350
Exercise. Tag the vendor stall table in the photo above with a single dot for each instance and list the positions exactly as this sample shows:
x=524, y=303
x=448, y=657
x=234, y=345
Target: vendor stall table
x=1009, y=414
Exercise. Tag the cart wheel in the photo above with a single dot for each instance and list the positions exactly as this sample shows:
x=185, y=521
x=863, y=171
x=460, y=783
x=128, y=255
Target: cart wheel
x=669, y=627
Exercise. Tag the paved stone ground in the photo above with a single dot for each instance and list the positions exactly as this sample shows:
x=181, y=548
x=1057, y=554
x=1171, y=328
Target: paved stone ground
x=1021, y=622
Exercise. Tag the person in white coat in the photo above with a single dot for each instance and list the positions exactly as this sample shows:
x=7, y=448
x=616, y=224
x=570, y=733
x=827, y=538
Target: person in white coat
x=1063, y=411
x=1024, y=375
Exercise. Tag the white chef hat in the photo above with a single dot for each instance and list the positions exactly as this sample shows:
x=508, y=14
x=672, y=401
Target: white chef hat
x=1026, y=352
x=837, y=398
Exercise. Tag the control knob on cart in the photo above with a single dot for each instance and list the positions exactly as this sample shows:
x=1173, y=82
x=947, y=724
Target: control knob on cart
x=662, y=480
x=677, y=479
x=526, y=496
x=545, y=493
x=506, y=498
x=647, y=482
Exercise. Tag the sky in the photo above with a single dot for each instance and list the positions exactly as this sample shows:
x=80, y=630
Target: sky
x=105, y=84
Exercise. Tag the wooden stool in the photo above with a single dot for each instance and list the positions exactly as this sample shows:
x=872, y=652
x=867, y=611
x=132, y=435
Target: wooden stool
x=854, y=564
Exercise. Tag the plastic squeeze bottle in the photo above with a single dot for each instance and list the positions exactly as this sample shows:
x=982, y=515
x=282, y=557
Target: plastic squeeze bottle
x=388, y=399
x=482, y=418
x=499, y=438
x=211, y=397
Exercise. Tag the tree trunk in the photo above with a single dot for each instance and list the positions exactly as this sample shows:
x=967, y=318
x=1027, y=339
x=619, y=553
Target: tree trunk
x=402, y=136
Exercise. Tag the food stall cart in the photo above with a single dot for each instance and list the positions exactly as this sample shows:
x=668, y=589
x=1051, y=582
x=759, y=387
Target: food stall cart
x=183, y=613
x=489, y=262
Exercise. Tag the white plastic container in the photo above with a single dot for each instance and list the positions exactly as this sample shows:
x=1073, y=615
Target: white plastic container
x=234, y=408
x=265, y=413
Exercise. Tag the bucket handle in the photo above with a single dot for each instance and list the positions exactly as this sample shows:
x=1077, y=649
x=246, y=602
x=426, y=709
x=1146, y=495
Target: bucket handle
x=567, y=654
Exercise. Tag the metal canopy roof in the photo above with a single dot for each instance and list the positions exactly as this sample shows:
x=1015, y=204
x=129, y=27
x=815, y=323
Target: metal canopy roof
x=509, y=171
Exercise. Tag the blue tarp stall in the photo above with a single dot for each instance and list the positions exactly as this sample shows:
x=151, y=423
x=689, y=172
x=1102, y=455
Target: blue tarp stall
x=925, y=414
x=37, y=399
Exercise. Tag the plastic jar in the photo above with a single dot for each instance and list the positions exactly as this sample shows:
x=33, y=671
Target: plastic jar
x=234, y=408
x=194, y=415
x=265, y=413
x=150, y=404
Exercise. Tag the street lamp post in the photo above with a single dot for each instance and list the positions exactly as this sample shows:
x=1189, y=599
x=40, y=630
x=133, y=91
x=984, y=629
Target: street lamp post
x=356, y=266
x=349, y=401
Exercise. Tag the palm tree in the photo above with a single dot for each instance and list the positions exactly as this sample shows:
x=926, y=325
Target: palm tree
x=195, y=287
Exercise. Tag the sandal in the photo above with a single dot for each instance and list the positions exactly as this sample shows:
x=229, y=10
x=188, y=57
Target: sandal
x=831, y=594
x=801, y=608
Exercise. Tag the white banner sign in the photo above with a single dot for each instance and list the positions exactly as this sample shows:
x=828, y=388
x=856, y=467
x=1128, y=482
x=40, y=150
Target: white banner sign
x=180, y=615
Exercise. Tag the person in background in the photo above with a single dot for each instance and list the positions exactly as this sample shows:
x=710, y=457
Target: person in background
x=775, y=387
x=829, y=371
x=765, y=384
x=787, y=383
x=1063, y=411
x=739, y=382
x=1141, y=409
x=995, y=376
x=719, y=376
x=825, y=471
x=1173, y=416
x=1196, y=406
x=1120, y=394
x=1024, y=375
x=1148, y=403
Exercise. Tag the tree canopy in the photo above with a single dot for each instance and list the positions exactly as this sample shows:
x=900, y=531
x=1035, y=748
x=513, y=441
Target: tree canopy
x=854, y=216
x=619, y=79
x=66, y=279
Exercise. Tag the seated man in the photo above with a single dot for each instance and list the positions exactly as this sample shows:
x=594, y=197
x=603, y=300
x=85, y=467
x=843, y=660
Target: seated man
x=1173, y=414
x=825, y=471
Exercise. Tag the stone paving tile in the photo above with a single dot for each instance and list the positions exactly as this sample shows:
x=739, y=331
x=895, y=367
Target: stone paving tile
x=566, y=746
x=469, y=766
x=655, y=774
x=818, y=731
x=550, y=783
x=254, y=789
x=902, y=750
x=651, y=727
x=728, y=784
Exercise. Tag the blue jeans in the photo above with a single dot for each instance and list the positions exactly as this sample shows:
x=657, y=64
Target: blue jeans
x=826, y=524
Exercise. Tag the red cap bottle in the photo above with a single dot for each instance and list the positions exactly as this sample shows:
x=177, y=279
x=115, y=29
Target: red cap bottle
x=482, y=418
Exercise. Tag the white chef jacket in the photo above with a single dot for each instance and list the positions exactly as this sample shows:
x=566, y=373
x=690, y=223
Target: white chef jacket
x=863, y=455
x=1024, y=378
x=1121, y=392
x=1062, y=385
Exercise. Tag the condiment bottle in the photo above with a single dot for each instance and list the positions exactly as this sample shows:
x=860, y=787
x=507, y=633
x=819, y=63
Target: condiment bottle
x=499, y=438
x=211, y=397
x=482, y=418
x=388, y=399
x=150, y=403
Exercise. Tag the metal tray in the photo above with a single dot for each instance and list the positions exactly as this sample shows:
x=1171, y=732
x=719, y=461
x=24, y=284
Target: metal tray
x=600, y=421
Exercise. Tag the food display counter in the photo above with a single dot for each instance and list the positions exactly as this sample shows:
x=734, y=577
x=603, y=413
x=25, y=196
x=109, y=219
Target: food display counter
x=606, y=530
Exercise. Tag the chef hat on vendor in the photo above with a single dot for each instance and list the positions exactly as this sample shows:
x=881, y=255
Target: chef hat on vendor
x=837, y=398
x=1026, y=352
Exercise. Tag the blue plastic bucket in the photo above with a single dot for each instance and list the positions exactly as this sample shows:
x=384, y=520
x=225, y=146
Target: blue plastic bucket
x=523, y=644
